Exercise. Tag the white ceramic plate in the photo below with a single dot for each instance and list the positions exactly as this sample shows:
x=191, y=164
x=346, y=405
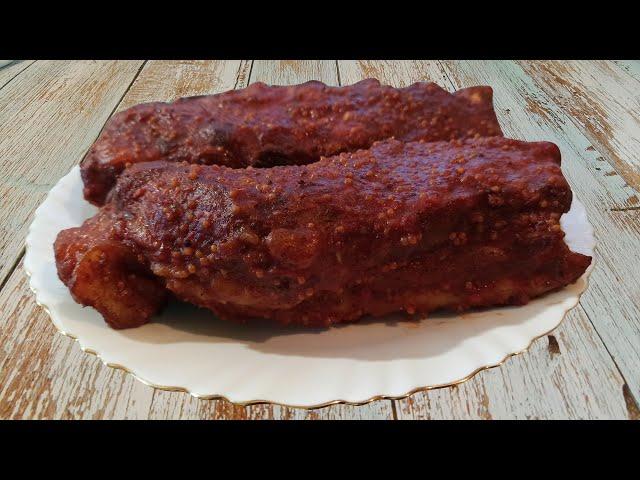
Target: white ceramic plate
x=189, y=349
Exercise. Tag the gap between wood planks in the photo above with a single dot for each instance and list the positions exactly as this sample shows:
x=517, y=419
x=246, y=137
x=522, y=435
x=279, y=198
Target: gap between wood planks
x=12, y=269
x=28, y=64
x=22, y=251
x=239, y=76
x=624, y=209
x=633, y=407
x=394, y=410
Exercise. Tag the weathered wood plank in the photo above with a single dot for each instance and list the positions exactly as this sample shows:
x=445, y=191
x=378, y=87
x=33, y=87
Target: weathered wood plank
x=167, y=80
x=49, y=115
x=45, y=375
x=537, y=117
x=73, y=384
x=632, y=67
x=398, y=73
x=12, y=70
x=56, y=380
x=186, y=407
x=567, y=374
x=65, y=382
x=603, y=101
x=521, y=387
x=611, y=301
x=290, y=72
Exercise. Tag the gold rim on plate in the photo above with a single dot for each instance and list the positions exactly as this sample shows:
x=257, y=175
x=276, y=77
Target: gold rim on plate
x=247, y=403
x=374, y=398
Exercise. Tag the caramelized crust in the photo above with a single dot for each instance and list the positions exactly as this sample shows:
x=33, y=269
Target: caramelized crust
x=264, y=126
x=103, y=272
x=401, y=226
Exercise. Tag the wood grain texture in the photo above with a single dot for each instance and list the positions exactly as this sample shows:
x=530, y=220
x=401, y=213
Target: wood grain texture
x=168, y=80
x=50, y=113
x=65, y=382
x=565, y=375
x=603, y=101
x=632, y=67
x=44, y=374
x=398, y=73
x=166, y=406
x=612, y=300
x=532, y=385
x=12, y=70
x=49, y=116
x=291, y=72
x=71, y=383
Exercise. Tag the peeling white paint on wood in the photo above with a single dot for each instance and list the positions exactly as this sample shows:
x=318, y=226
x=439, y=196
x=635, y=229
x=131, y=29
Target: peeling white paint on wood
x=49, y=116
x=291, y=72
x=632, y=67
x=603, y=101
x=612, y=299
x=524, y=386
x=12, y=70
x=50, y=113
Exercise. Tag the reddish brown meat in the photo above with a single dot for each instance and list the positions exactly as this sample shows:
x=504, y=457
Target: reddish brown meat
x=414, y=227
x=265, y=126
x=103, y=272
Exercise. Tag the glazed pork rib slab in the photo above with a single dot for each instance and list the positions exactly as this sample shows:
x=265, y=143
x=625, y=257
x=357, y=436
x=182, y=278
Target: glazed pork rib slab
x=271, y=125
x=410, y=227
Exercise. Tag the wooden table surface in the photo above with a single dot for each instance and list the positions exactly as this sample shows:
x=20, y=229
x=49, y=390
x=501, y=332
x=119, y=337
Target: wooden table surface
x=52, y=111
